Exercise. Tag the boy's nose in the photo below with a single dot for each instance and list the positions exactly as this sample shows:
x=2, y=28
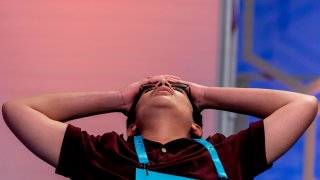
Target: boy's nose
x=163, y=83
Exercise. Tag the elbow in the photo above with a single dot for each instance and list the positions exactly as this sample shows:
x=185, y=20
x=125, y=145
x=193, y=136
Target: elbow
x=9, y=105
x=9, y=109
x=312, y=104
x=6, y=106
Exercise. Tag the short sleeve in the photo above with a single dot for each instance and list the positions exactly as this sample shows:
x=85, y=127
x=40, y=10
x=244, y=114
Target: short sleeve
x=85, y=156
x=72, y=152
x=248, y=147
x=77, y=149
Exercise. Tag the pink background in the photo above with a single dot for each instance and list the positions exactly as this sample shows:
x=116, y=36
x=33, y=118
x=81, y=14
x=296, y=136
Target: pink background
x=59, y=46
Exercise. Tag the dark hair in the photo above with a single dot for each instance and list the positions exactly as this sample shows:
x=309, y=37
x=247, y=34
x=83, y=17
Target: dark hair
x=196, y=114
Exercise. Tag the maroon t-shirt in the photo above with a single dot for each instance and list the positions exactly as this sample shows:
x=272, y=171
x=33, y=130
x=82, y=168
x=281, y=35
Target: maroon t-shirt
x=110, y=156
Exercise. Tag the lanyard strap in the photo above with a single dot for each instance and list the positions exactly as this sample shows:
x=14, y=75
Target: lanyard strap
x=215, y=158
x=143, y=158
x=140, y=150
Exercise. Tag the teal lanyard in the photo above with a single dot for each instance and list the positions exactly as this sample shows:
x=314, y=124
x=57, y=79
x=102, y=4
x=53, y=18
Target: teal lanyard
x=144, y=161
x=141, y=150
x=215, y=158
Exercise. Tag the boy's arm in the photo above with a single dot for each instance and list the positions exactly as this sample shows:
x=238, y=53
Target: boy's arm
x=286, y=115
x=38, y=121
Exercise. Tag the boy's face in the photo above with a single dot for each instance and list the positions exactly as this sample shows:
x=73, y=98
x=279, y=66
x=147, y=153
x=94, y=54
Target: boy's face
x=165, y=94
x=165, y=97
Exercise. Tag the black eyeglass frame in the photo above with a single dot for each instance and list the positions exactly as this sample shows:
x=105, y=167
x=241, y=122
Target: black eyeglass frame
x=150, y=86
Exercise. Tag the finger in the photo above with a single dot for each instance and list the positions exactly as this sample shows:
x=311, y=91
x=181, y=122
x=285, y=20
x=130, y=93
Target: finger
x=144, y=81
x=169, y=78
x=156, y=80
x=172, y=76
x=164, y=77
x=185, y=82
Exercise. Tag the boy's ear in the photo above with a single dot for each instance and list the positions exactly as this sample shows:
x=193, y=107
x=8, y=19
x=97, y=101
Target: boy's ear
x=196, y=130
x=132, y=130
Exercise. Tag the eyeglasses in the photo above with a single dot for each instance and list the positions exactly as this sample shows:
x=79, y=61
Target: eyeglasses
x=181, y=87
